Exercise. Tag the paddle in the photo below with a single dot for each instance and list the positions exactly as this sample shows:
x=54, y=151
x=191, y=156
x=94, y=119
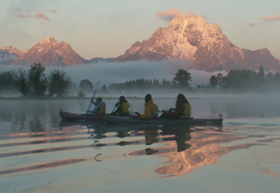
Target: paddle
x=118, y=100
x=89, y=105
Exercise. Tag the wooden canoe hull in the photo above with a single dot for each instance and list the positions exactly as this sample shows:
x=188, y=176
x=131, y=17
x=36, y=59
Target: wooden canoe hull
x=78, y=117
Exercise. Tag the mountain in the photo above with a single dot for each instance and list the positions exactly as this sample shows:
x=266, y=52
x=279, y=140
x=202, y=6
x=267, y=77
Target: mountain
x=13, y=51
x=49, y=52
x=6, y=57
x=99, y=59
x=195, y=41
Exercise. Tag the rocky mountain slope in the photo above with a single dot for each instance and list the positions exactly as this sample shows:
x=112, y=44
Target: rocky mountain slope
x=8, y=54
x=200, y=44
x=49, y=52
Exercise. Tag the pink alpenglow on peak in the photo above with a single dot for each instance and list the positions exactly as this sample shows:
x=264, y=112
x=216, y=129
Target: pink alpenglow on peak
x=50, y=52
x=198, y=45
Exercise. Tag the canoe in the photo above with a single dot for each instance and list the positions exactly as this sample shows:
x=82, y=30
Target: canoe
x=160, y=121
x=78, y=117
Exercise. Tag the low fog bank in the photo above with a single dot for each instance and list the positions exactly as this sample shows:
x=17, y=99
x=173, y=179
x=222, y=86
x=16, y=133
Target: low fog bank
x=108, y=73
x=194, y=93
x=159, y=94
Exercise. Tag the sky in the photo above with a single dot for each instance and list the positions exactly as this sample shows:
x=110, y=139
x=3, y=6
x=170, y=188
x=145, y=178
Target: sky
x=108, y=28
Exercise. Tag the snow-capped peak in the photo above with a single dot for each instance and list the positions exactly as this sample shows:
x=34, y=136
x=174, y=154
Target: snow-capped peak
x=49, y=39
x=203, y=45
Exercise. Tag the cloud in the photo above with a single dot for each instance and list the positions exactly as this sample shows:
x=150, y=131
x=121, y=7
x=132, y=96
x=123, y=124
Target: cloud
x=41, y=16
x=53, y=10
x=252, y=24
x=168, y=15
x=21, y=16
x=270, y=18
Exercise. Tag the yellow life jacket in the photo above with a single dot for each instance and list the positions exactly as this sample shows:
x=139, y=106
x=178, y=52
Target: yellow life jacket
x=125, y=108
x=155, y=108
x=101, y=110
x=187, y=111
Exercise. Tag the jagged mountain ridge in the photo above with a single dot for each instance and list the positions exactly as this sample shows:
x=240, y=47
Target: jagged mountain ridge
x=50, y=52
x=6, y=57
x=193, y=39
x=8, y=54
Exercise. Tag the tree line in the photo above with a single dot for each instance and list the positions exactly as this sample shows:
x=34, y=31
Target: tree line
x=247, y=80
x=34, y=82
x=181, y=80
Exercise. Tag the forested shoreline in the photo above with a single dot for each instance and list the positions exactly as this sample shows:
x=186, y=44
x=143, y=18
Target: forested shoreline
x=35, y=83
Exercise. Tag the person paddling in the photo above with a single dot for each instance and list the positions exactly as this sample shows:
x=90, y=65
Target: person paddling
x=100, y=107
x=122, y=107
x=182, y=110
x=150, y=108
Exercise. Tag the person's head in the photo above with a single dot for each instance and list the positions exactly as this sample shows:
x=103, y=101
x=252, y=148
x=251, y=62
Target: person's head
x=181, y=99
x=122, y=98
x=148, y=97
x=99, y=99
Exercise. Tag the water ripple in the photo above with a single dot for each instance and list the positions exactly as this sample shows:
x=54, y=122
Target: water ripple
x=43, y=166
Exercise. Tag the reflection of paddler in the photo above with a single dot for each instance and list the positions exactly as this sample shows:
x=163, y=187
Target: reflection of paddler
x=150, y=151
x=181, y=138
x=123, y=134
x=151, y=136
x=99, y=131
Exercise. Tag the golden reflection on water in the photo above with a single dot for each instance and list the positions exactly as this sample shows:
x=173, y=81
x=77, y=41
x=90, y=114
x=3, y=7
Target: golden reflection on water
x=189, y=151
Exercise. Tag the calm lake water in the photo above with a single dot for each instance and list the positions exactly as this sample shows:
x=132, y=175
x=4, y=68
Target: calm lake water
x=41, y=153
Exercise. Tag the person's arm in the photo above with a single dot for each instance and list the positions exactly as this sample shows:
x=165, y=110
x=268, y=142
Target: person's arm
x=177, y=111
x=96, y=108
x=148, y=112
x=118, y=110
x=95, y=103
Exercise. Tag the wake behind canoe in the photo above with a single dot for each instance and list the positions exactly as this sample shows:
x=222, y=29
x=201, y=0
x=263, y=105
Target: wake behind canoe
x=159, y=121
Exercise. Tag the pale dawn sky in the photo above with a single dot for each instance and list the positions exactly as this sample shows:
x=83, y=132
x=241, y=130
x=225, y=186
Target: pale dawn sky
x=108, y=28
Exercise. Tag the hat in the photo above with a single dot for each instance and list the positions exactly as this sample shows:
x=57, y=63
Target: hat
x=122, y=98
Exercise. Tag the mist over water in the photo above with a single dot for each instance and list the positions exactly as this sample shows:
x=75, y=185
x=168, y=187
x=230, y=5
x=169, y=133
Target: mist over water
x=37, y=115
x=108, y=73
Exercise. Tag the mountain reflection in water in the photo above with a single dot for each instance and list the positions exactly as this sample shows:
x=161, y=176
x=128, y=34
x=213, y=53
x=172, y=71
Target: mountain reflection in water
x=187, y=147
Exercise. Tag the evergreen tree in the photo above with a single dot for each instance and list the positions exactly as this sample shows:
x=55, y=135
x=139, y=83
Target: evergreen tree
x=261, y=74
